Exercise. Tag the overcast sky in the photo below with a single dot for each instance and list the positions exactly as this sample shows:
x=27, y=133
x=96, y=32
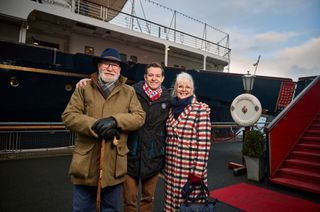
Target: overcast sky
x=286, y=33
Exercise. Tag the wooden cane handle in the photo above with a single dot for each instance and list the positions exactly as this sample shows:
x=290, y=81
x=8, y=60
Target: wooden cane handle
x=115, y=141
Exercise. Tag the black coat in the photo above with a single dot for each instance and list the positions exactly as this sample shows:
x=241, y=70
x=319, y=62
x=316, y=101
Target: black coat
x=147, y=145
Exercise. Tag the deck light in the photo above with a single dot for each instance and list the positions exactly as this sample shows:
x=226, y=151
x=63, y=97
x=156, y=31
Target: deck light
x=248, y=81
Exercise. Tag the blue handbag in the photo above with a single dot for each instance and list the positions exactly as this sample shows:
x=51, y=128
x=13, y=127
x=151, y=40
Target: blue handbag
x=190, y=204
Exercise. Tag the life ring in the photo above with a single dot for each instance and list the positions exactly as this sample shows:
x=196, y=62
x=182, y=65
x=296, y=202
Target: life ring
x=245, y=110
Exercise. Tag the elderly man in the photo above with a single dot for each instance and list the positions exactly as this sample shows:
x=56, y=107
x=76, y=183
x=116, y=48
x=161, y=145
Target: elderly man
x=104, y=109
x=146, y=156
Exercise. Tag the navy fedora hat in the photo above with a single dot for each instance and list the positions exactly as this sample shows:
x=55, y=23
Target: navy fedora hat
x=111, y=54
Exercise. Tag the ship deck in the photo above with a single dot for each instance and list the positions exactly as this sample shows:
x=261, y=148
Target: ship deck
x=42, y=184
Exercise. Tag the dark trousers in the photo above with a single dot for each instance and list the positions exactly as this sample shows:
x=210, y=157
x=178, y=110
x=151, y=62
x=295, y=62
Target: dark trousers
x=84, y=198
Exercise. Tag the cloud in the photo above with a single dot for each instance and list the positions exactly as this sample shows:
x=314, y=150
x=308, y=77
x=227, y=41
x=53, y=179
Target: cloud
x=308, y=52
x=247, y=41
x=274, y=36
x=301, y=60
x=294, y=62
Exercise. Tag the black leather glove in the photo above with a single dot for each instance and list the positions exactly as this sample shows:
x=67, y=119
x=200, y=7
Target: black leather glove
x=101, y=126
x=111, y=133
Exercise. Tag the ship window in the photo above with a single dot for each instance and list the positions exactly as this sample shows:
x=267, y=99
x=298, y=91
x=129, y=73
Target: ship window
x=89, y=50
x=44, y=43
x=133, y=58
x=123, y=57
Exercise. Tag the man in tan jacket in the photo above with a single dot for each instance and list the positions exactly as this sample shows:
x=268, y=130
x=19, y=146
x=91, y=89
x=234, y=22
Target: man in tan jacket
x=103, y=109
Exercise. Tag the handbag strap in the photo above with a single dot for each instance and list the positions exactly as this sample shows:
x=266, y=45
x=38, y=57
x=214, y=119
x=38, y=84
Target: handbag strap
x=204, y=192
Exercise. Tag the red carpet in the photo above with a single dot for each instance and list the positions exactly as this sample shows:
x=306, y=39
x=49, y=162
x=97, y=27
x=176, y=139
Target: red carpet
x=253, y=198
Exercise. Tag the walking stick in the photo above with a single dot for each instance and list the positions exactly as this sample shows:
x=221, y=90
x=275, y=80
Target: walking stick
x=103, y=143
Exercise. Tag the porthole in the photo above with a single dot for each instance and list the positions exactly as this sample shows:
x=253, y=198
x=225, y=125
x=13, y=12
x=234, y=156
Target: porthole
x=14, y=82
x=68, y=87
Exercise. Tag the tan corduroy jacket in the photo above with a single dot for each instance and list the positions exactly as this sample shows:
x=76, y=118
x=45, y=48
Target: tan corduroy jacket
x=86, y=106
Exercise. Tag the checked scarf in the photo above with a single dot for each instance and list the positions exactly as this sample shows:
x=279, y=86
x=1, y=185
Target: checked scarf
x=152, y=94
x=106, y=87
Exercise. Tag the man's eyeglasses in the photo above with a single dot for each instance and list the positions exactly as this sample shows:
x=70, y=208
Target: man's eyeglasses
x=110, y=64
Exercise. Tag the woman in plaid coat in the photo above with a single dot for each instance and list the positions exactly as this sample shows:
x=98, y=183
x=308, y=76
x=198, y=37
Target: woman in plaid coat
x=187, y=143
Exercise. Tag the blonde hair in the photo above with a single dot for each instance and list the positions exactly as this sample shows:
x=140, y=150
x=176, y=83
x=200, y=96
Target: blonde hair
x=183, y=76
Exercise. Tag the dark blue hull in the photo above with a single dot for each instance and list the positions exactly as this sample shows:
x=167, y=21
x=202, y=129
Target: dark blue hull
x=46, y=86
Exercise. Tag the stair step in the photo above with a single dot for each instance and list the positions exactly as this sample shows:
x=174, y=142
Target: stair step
x=309, y=142
x=314, y=127
x=311, y=175
x=316, y=123
x=308, y=147
x=310, y=138
x=303, y=163
x=316, y=132
x=305, y=155
x=298, y=184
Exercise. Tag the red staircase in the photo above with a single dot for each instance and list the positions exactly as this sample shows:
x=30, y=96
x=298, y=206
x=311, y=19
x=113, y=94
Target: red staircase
x=294, y=142
x=301, y=169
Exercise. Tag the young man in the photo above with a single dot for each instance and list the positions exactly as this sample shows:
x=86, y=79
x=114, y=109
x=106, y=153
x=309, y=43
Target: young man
x=103, y=109
x=146, y=156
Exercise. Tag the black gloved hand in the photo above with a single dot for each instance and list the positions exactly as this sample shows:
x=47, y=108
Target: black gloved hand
x=111, y=133
x=101, y=126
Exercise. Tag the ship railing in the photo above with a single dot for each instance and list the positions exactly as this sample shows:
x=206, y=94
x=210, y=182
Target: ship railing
x=44, y=137
x=231, y=131
x=36, y=138
x=171, y=34
x=142, y=25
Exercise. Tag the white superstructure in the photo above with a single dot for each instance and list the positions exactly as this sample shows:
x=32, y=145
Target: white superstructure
x=75, y=26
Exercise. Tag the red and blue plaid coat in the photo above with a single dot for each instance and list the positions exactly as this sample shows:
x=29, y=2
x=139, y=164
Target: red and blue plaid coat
x=187, y=150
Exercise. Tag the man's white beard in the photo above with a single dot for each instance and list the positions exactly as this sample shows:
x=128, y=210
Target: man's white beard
x=112, y=79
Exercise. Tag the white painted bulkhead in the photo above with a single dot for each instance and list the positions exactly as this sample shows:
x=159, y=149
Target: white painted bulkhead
x=72, y=32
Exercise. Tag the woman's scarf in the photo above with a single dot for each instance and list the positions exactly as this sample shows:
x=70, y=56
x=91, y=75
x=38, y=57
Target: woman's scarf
x=152, y=94
x=178, y=105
